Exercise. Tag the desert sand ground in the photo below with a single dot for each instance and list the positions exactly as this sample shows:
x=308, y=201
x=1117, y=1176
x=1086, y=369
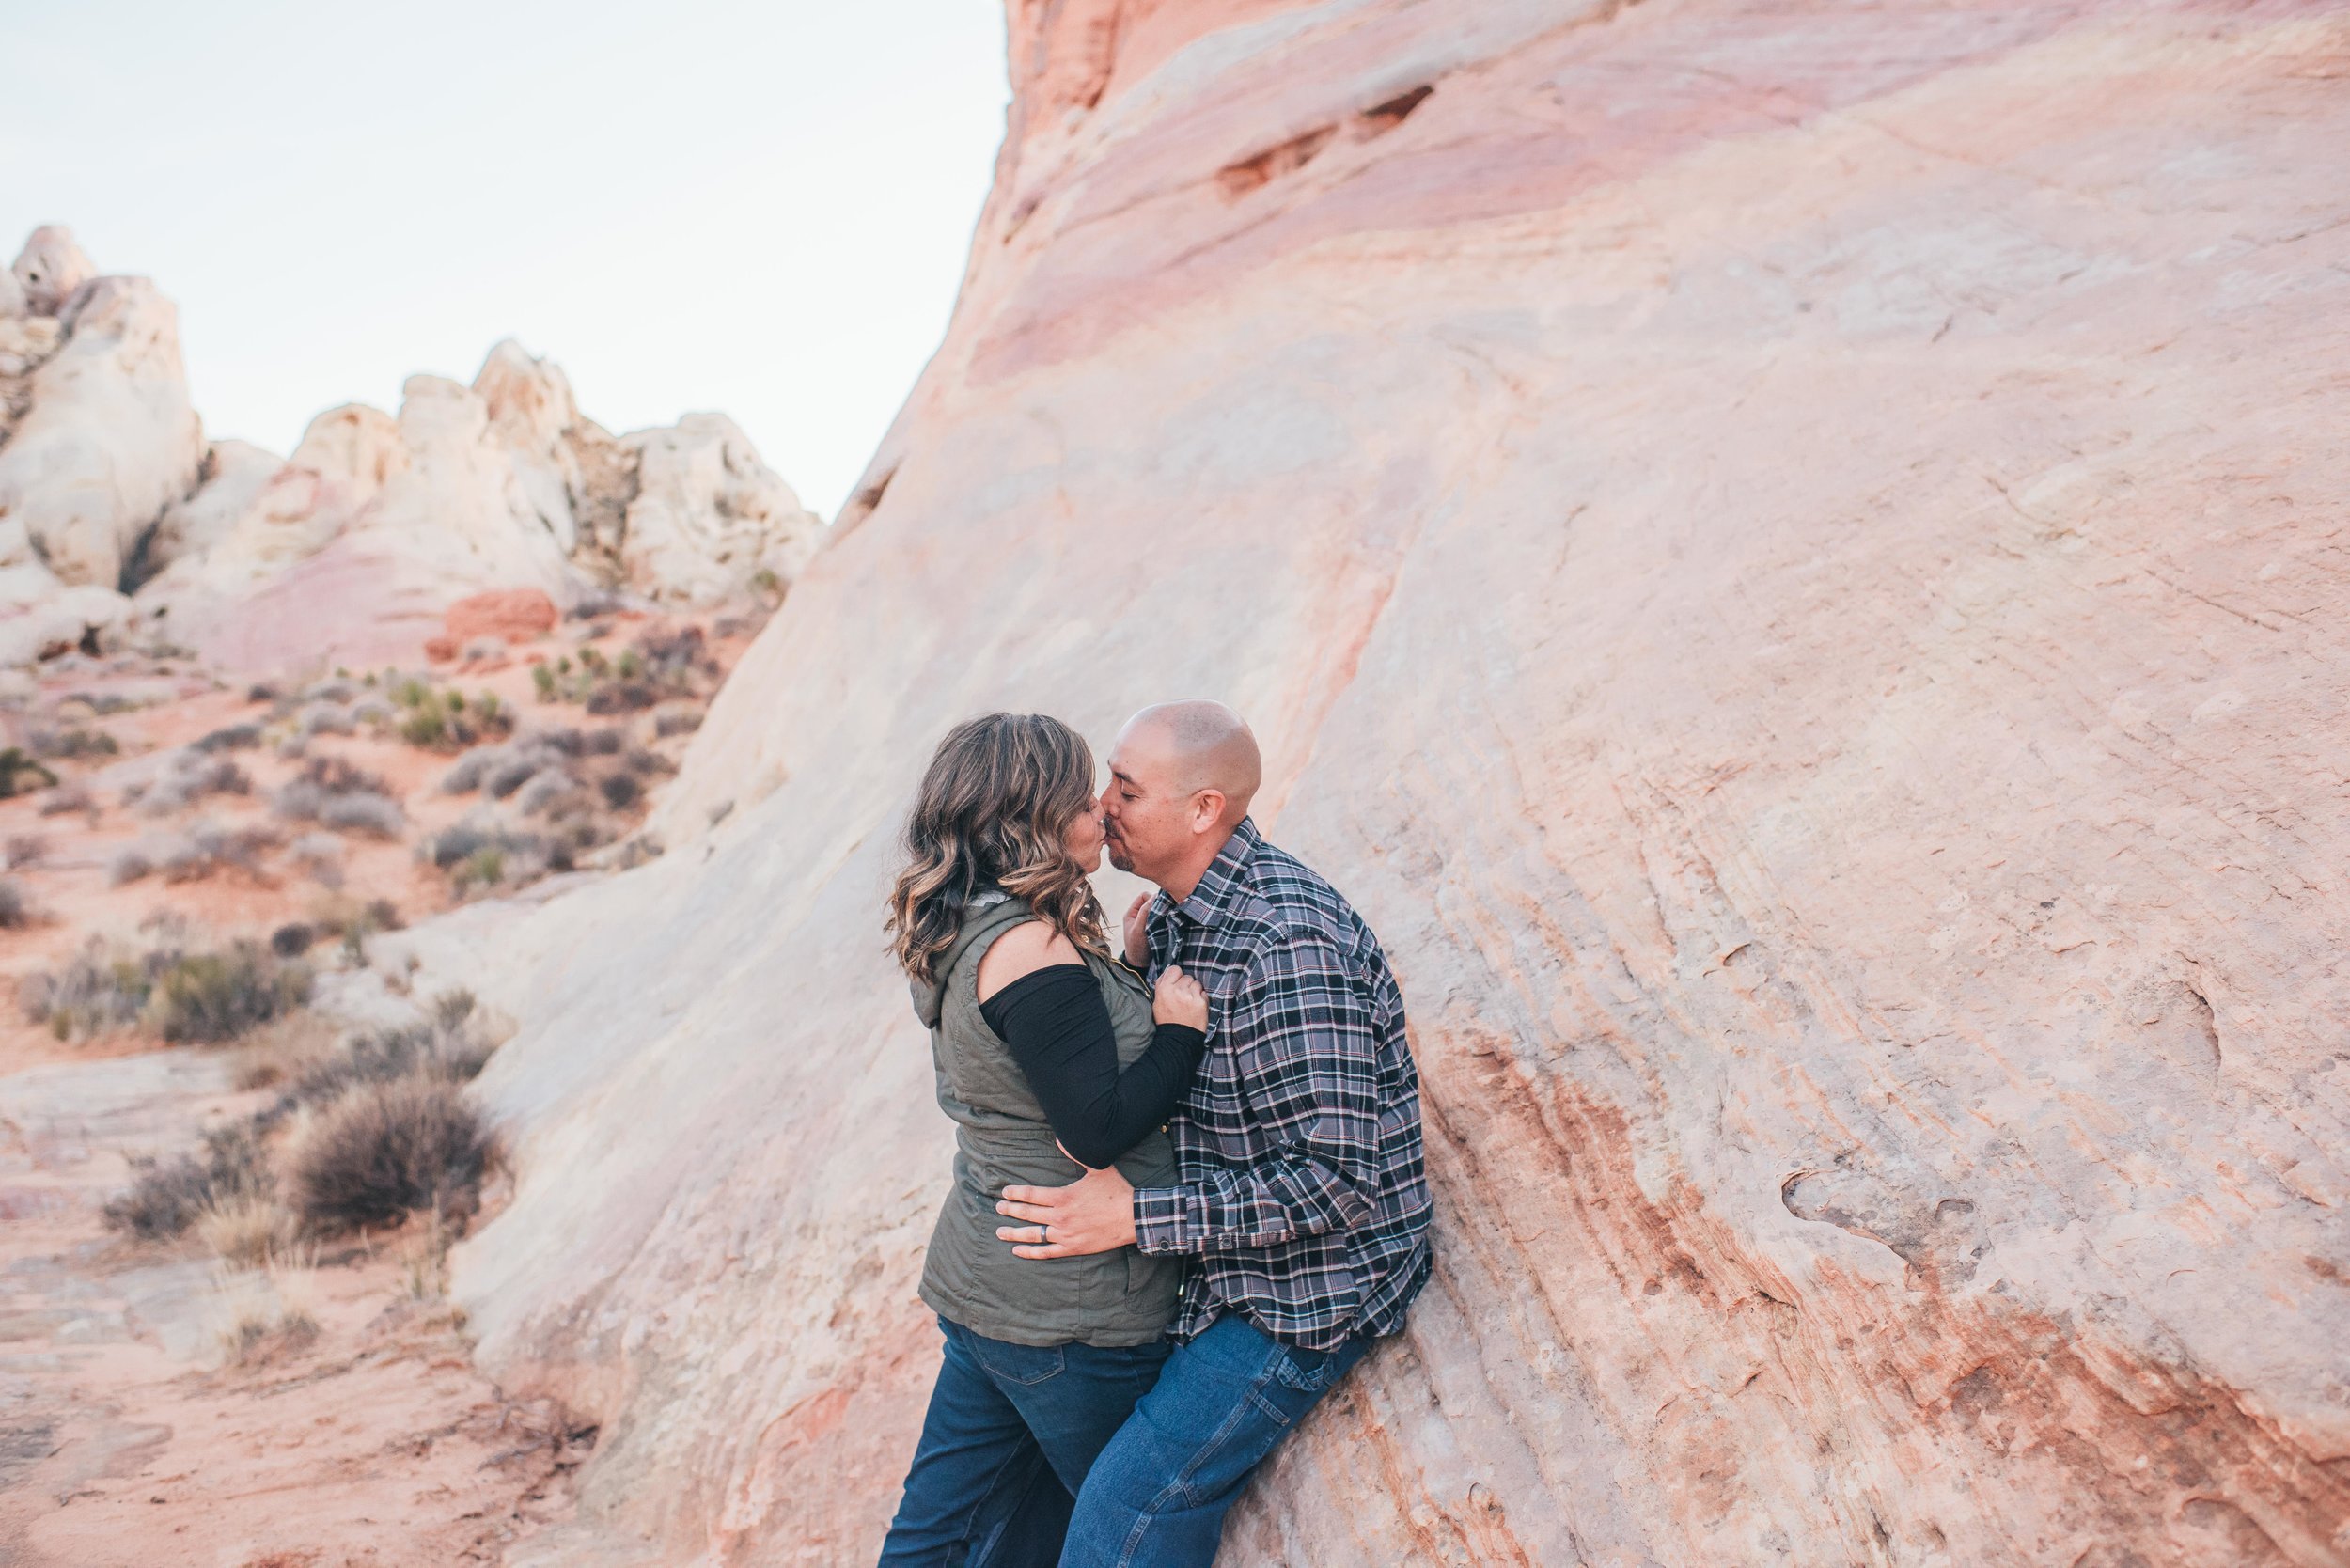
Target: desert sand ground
x=158, y=1404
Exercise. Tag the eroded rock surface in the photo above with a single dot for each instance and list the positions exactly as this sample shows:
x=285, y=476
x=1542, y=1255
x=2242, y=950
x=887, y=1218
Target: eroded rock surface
x=1791, y=560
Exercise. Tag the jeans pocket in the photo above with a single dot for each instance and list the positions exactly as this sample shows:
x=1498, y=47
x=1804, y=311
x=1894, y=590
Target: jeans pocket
x=1026, y=1365
x=1309, y=1371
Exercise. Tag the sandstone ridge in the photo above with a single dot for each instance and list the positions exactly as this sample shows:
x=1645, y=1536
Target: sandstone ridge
x=1790, y=559
x=121, y=524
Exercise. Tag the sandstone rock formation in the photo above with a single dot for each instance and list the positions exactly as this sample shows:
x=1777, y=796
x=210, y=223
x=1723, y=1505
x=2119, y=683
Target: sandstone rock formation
x=97, y=437
x=1791, y=560
x=350, y=549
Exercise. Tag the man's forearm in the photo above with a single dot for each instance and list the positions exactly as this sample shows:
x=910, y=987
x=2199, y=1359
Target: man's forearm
x=1273, y=1203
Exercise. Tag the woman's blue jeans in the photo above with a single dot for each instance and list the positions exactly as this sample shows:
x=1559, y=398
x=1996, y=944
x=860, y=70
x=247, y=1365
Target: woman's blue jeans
x=1010, y=1433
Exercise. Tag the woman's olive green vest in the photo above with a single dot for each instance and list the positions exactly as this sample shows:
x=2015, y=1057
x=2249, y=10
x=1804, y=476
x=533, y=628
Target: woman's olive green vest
x=1002, y=1139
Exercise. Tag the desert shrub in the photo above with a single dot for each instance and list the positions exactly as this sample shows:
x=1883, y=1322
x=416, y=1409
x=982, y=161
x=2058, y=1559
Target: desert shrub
x=221, y=996
x=676, y=721
x=21, y=774
x=466, y=774
x=453, y=1009
x=246, y=1229
x=319, y=855
x=262, y=691
x=621, y=791
x=327, y=718
x=623, y=697
x=542, y=681
x=209, y=848
x=607, y=741
x=543, y=790
x=438, y=719
x=434, y=1050
x=378, y=816
x=169, y=1195
x=75, y=745
x=337, y=775
x=256, y=1313
x=25, y=849
x=102, y=987
x=311, y=795
x=292, y=939
x=165, y=1197
x=674, y=655
x=512, y=773
x=67, y=797
x=190, y=778
x=372, y=711
x=130, y=863
x=16, y=910
x=234, y=737
x=192, y=856
x=385, y=1151
x=353, y=922
x=336, y=689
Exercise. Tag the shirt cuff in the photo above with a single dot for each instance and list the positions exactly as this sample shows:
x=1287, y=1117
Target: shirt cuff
x=1162, y=1221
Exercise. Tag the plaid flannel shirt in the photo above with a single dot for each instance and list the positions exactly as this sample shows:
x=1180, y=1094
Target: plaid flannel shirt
x=1298, y=1145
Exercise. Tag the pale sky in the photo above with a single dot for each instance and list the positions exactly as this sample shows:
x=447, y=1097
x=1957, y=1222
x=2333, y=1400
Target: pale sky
x=761, y=208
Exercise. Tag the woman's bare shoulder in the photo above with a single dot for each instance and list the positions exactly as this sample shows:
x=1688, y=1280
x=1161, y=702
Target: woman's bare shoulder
x=1030, y=946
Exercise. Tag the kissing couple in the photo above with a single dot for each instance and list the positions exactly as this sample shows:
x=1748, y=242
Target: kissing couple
x=1188, y=1192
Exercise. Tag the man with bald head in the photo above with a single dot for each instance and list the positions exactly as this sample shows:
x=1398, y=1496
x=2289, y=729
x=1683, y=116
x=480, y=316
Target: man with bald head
x=1301, y=1196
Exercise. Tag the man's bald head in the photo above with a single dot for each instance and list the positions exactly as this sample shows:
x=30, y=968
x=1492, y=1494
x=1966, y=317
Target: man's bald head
x=1209, y=745
x=1181, y=776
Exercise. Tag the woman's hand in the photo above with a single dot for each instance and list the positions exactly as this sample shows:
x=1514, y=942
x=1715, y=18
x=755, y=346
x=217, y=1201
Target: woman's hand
x=1179, y=1000
x=1139, y=932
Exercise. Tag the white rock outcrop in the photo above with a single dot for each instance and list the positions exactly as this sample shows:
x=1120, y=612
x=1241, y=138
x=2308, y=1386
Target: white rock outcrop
x=708, y=516
x=50, y=267
x=108, y=441
x=376, y=523
x=96, y=439
x=351, y=548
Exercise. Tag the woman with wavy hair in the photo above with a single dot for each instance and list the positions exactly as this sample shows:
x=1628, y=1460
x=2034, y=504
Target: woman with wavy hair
x=1050, y=1056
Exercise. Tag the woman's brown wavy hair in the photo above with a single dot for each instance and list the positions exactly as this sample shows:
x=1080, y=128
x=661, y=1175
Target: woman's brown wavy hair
x=994, y=809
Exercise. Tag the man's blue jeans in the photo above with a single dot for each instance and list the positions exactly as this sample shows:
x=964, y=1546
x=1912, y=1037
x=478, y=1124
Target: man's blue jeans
x=1158, y=1493
x=1010, y=1433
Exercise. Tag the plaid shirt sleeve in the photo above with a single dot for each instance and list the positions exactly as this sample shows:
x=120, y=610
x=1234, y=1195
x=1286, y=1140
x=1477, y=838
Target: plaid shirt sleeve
x=1311, y=1058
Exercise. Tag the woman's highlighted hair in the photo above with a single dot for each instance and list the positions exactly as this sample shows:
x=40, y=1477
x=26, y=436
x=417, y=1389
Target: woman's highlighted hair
x=994, y=811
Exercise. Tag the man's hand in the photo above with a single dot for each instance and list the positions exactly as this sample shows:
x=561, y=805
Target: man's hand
x=1095, y=1214
x=1139, y=932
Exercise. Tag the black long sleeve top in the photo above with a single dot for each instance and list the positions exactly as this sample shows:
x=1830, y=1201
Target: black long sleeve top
x=1058, y=1030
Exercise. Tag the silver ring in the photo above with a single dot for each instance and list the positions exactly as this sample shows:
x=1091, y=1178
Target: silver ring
x=1044, y=1235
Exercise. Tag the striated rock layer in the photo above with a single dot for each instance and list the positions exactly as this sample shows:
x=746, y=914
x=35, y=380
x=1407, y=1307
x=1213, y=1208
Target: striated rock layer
x=1792, y=561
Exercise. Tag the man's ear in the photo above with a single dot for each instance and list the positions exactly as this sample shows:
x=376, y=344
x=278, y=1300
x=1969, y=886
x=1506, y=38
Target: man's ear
x=1207, y=810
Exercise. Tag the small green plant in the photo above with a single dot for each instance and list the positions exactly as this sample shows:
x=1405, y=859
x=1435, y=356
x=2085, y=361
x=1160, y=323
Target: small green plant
x=542, y=681
x=484, y=867
x=425, y=727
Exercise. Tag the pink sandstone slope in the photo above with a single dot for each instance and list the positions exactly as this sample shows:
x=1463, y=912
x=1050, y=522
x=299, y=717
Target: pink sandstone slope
x=1790, y=559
